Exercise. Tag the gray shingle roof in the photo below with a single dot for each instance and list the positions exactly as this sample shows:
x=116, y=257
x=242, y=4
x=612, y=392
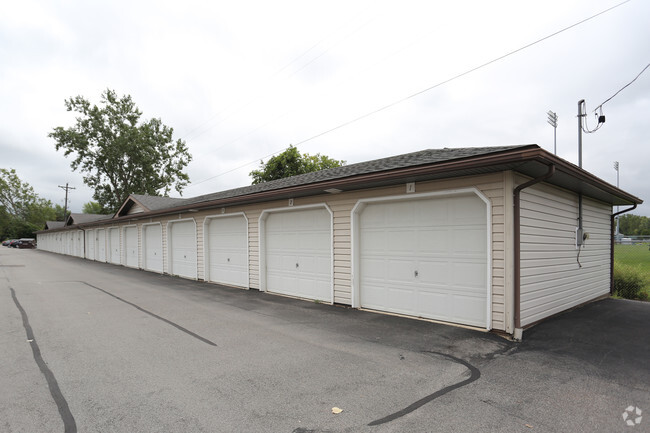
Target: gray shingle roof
x=154, y=202
x=81, y=218
x=49, y=225
x=423, y=157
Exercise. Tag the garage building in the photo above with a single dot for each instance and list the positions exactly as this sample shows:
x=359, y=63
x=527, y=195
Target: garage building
x=496, y=238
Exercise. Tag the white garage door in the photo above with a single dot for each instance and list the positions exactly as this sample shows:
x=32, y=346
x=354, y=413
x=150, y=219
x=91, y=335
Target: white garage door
x=299, y=253
x=182, y=249
x=227, y=250
x=131, y=246
x=90, y=242
x=80, y=244
x=114, y=245
x=153, y=251
x=426, y=258
x=100, y=247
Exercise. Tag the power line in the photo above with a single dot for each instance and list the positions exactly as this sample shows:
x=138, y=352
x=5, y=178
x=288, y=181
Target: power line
x=441, y=83
x=208, y=124
x=622, y=88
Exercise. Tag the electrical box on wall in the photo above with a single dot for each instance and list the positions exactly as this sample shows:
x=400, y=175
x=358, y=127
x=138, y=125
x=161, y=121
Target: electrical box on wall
x=581, y=237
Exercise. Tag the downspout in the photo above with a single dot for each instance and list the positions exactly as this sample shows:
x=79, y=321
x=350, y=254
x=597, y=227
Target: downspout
x=517, y=240
x=611, y=253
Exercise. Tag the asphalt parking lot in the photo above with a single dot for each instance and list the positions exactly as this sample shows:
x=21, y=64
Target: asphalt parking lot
x=92, y=347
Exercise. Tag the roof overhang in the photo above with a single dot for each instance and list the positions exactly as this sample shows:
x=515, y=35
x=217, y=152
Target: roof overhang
x=530, y=160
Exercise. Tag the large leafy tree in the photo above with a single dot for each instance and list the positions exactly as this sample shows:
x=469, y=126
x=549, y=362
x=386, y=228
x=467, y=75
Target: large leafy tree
x=290, y=163
x=120, y=154
x=22, y=211
x=92, y=207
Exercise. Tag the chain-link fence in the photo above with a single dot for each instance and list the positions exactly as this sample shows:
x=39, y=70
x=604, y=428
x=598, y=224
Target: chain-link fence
x=632, y=268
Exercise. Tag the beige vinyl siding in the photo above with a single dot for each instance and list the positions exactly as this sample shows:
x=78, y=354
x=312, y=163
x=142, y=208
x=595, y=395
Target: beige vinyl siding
x=551, y=278
x=253, y=216
x=200, y=256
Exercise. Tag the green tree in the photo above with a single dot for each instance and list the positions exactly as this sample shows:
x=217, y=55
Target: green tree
x=291, y=163
x=92, y=207
x=119, y=154
x=634, y=225
x=22, y=211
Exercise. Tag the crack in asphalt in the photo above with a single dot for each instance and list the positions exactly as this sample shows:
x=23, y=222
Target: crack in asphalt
x=70, y=426
x=169, y=322
x=474, y=375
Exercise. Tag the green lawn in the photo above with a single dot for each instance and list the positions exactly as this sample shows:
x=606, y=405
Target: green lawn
x=633, y=255
x=636, y=256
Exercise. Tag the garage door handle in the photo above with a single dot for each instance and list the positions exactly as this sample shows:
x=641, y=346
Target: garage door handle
x=416, y=273
x=296, y=265
x=228, y=259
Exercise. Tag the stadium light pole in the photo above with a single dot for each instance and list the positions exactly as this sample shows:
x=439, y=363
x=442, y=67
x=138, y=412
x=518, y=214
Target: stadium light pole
x=552, y=120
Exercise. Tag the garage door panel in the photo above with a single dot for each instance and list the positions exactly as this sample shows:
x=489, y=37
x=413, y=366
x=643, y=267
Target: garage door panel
x=402, y=241
x=298, y=253
x=401, y=299
x=183, y=249
x=465, y=211
x=426, y=258
x=153, y=255
x=401, y=270
x=468, y=275
x=101, y=245
x=432, y=272
x=433, y=240
x=131, y=246
x=374, y=269
x=468, y=308
x=437, y=304
x=114, y=242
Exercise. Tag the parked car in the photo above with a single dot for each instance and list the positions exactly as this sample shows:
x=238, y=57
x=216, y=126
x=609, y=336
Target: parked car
x=6, y=243
x=26, y=243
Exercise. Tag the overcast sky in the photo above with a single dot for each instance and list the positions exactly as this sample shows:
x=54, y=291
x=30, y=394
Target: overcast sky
x=241, y=80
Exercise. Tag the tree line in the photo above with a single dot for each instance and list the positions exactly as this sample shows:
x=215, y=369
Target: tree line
x=22, y=211
x=634, y=225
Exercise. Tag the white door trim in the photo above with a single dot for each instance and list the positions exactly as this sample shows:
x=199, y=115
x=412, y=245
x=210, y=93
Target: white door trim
x=262, y=243
x=170, y=267
x=354, y=230
x=206, y=246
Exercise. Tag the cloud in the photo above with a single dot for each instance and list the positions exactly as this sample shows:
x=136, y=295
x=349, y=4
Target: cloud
x=239, y=80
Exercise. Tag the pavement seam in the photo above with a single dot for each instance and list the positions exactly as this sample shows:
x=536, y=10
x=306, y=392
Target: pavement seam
x=137, y=307
x=69, y=423
x=474, y=375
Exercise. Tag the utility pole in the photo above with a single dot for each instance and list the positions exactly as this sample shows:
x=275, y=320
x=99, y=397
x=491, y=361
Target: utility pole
x=616, y=168
x=552, y=120
x=579, y=232
x=580, y=116
x=65, y=207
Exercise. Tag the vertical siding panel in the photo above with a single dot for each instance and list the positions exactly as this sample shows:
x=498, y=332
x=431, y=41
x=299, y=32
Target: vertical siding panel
x=253, y=216
x=199, y=220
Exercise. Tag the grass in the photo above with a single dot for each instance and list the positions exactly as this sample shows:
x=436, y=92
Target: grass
x=637, y=257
